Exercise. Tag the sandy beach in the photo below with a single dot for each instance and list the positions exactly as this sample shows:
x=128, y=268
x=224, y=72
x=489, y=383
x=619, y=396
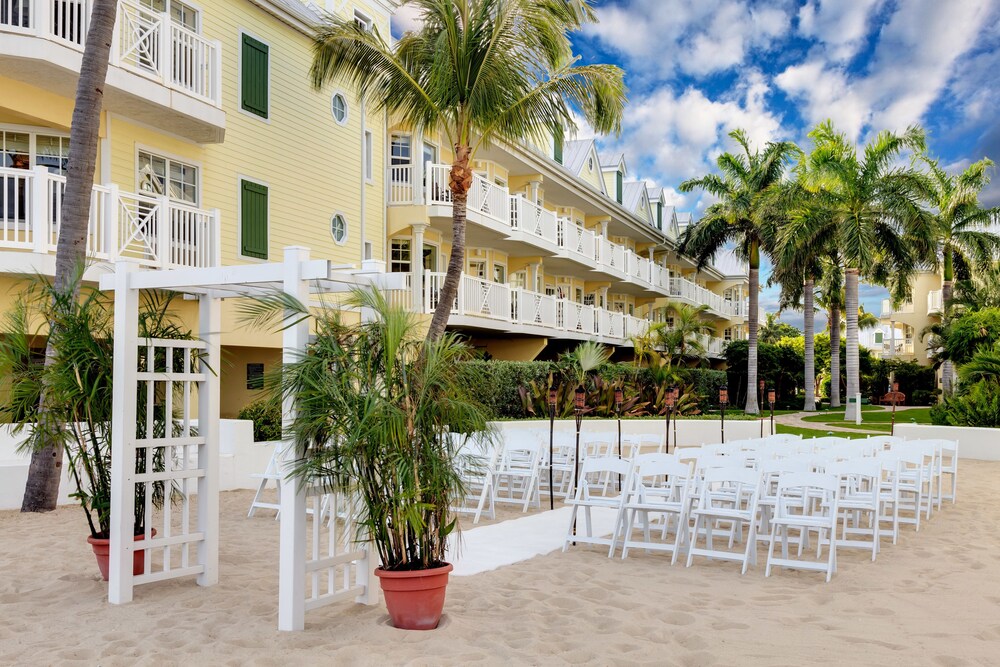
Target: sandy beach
x=932, y=599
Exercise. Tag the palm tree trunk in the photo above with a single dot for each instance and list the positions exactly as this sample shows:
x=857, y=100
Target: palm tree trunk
x=834, y=357
x=809, y=325
x=752, y=324
x=947, y=288
x=853, y=379
x=42, y=488
x=460, y=183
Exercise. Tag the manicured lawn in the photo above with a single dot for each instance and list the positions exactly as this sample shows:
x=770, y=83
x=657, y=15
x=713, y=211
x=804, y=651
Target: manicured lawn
x=816, y=433
x=876, y=421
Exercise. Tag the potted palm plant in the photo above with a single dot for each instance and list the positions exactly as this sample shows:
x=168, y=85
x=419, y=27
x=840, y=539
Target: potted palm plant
x=381, y=417
x=78, y=378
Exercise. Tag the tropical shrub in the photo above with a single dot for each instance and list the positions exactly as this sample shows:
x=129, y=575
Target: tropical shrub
x=976, y=404
x=916, y=381
x=494, y=385
x=969, y=332
x=780, y=366
x=266, y=417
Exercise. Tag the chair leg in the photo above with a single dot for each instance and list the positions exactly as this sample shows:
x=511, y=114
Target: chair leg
x=770, y=549
x=693, y=540
x=569, y=530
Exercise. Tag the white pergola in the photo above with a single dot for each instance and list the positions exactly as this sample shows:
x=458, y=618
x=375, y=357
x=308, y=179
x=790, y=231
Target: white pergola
x=318, y=565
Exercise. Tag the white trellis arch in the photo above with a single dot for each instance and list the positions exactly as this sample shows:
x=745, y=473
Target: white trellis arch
x=320, y=563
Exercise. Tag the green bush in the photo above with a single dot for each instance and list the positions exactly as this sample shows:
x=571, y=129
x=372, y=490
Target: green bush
x=494, y=384
x=978, y=404
x=971, y=331
x=266, y=418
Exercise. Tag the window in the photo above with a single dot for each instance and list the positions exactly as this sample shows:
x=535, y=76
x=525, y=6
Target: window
x=338, y=229
x=400, y=151
x=180, y=13
x=368, y=250
x=254, y=77
x=430, y=258
x=477, y=269
x=727, y=335
x=253, y=219
x=430, y=153
x=878, y=337
x=362, y=21
x=255, y=376
x=399, y=256
x=578, y=297
x=499, y=273
x=618, y=186
x=631, y=309
x=160, y=175
x=589, y=299
x=557, y=143
x=590, y=163
x=338, y=106
x=369, y=153
x=24, y=150
x=518, y=279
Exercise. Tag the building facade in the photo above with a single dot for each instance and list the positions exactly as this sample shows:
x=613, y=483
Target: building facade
x=899, y=334
x=215, y=149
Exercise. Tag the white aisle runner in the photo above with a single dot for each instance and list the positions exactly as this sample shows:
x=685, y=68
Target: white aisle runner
x=489, y=547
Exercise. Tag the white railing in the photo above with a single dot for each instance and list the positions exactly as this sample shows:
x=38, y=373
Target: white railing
x=935, y=301
x=533, y=219
x=154, y=231
x=146, y=42
x=612, y=255
x=485, y=198
x=681, y=288
x=401, y=184
x=903, y=309
x=575, y=239
x=506, y=308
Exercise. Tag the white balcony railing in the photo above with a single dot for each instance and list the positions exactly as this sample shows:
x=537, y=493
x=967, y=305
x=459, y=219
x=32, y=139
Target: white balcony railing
x=531, y=218
x=146, y=42
x=889, y=311
x=509, y=308
x=935, y=302
x=154, y=231
x=401, y=184
x=576, y=239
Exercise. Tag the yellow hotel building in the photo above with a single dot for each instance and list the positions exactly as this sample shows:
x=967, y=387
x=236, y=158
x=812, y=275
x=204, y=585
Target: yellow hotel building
x=215, y=149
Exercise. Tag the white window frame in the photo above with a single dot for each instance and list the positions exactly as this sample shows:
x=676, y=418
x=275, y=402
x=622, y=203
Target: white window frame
x=239, y=216
x=435, y=147
x=173, y=157
x=333, y=97
x=32, y=131
x=239, y=76
x=363, y=20
x=343, y=216
x=409, y=243
x=392, y=137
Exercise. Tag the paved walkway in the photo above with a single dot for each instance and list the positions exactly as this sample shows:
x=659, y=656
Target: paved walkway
x=796, y=419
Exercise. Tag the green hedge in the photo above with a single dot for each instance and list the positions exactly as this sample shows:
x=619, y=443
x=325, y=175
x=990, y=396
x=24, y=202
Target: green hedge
x=266, y=418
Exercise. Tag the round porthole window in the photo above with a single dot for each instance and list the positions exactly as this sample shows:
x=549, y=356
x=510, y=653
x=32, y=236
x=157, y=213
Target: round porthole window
x=338, y=228
x=590, y=164
x=339, y=108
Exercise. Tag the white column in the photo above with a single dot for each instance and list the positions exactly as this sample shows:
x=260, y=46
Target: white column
x=292, y=550
x=417, y=265
x=124, y=378
x=209, y=325
x=892, y=338
x=417, y=160
x=533, y=191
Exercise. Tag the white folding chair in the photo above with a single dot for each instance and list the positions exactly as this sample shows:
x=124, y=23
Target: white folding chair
x=477, y=462
x=902, y=488
x=882, y=442
x=586, y=496
x=806, y=501
x=272, y=473
x=727, y=495
x=949, y=466
x=658, y=485
x=518, y=474
x=859, y=495
x=770, y=471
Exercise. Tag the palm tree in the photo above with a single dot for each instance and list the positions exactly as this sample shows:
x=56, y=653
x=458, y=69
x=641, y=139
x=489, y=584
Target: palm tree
x=41, y=490
x=831, y=298
x=478, y=71
x=739, y=218
x=961, y=229
x=685, y=338
x=871, y=206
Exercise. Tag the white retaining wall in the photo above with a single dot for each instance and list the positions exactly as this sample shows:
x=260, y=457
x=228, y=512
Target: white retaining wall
x=239, y=457
x=973, y=443
x=690, y=432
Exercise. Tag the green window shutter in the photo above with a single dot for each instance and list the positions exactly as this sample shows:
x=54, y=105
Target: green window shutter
x=253, y=220
x=557, y=141
x=618, y=186
x=253, y=76
x=659, y=214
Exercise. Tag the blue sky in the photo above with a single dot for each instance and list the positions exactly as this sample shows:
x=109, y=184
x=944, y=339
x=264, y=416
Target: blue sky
x=698, y=68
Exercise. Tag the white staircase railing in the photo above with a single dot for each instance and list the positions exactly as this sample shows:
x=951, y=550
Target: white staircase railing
x=154, y=231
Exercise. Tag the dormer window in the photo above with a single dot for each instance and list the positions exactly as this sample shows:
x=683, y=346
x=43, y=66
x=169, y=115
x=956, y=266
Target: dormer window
x=362, y=21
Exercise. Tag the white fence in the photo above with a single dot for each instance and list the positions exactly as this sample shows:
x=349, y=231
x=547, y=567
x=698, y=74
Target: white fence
x=146, y=42
x=153, y=231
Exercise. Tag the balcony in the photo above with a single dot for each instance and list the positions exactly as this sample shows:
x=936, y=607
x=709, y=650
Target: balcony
x=483, y=304
x=888, y=311
x=903, y=348
x=512, y=218
x=152, y=231
x=935, y=302
x=161, y=72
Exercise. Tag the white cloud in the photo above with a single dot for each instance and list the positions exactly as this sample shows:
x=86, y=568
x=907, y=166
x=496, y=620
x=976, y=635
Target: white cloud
x=406, y=18
x=913, y=64
x=693, y=36
x=678, y=136
x=840, y=26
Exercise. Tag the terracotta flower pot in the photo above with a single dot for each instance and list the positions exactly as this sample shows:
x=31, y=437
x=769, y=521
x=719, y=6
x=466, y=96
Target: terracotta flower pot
x=415, y=598
x=102, y=551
